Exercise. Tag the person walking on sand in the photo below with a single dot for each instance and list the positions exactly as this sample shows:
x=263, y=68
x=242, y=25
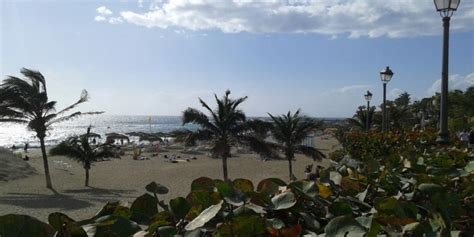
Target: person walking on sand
x=471, y=139
x=26, y=147
x=464, y=136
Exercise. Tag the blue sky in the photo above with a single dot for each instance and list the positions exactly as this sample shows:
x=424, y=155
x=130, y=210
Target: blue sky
x=157, y=58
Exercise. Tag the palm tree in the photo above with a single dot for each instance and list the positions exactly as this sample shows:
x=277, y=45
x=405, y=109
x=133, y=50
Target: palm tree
x=289, y=131
x=226, y=127
x=360, y=118
x=79, y=149
x=26, y=101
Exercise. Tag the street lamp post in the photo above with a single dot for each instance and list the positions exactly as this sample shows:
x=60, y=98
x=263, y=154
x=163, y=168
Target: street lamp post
x=446, y=9
x=385, y=76
x=368, y=97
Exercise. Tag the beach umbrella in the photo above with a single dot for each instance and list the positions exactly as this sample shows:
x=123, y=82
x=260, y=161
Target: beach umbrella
x=114, y=136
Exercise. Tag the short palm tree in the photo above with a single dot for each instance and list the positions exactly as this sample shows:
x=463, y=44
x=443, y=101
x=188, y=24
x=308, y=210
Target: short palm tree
x=225, y=128
x=360, y=118
x=79, y=149
x=26, y=101
x=289, y=131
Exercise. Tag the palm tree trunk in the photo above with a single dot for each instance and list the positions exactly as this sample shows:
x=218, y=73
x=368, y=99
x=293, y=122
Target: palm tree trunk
x=224, y=167
x=45, y=163
x=87, y=177
x=290, y=167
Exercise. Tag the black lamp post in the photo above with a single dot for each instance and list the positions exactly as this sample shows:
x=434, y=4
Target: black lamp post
x=446, y=9
x=368, y=97
x=385, y=76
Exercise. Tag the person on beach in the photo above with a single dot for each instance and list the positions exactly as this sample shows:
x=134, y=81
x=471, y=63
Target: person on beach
x=471, y=139
x=26, y=147
x=464, y=136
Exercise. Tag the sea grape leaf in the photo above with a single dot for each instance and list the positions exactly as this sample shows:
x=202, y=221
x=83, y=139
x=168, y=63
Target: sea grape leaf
x=242, y=226
x=154, y=187
x=203, y=184
x=306, y=188
x=62, y=223
x=243, y=185
x=114, y=226
x=167, y=231
x=336, y=177
x=430, y=188
x=283, y=200
x=324, y=191
x=143, y=208
x=204, y=217
x=270, y=186
x=180, y=207
x=275, y=223
x=310, y=221
x=469, y=167
x=23, y=225
x=341, y=225
x=340, y=209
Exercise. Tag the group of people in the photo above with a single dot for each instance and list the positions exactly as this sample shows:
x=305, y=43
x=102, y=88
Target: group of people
x=467, y=138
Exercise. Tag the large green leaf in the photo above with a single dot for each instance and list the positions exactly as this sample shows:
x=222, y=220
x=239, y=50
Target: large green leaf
x=306, y=189
x=243, y=185
x=340, y=209
x=167, y=231
x=204, y=217
x=156, y=188
x=22, y=225
x=342, y=225
x=64, y=224
x=203, y=184
x=143, y=208
x=430, y=188
x=275, y=223
x=310, y=222
x=283, y=200
x=114, y=226
x=469, y=167
x=270, y=186
x=242, y=226
x=180, y=207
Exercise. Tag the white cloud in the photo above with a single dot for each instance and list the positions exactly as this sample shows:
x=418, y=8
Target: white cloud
x=355, y=18
x=351, y=88
x=115, y=20
x=99, y=18
x=103, y=10
x=456, y=82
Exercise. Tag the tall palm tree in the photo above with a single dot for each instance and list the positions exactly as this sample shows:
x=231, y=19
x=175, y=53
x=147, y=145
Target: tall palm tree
x=226, y=127
x=289, y=131
x=79, y=149
x=26, y=101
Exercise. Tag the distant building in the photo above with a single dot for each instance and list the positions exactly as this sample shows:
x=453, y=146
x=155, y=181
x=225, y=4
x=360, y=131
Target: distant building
x=309, y=140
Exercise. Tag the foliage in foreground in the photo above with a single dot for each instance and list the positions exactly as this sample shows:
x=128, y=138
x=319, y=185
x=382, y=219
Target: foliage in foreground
x=417, y=189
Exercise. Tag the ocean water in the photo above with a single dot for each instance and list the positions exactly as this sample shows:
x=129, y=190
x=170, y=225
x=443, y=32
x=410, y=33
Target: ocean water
x=17, y=134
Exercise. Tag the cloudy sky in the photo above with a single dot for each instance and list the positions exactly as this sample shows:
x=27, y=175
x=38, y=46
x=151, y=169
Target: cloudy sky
x=157, y=57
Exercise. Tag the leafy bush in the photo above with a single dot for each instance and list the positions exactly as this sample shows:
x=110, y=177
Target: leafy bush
x=415, y=189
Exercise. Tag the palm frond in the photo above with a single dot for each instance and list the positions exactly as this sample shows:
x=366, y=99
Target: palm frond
x=71, y=116
x=312, y=152
x=83, y=98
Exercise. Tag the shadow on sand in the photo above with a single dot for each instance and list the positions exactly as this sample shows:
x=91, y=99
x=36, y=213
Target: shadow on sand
x=77, y=198
x=54, y=200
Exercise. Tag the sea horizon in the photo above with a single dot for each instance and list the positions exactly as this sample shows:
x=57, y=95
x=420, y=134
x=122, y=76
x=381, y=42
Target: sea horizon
x=18, y=134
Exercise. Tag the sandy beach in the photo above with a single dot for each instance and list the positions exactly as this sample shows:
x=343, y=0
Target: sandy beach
x=125, y=179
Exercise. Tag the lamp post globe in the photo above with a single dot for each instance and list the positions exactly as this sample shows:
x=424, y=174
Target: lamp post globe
x=385, y=76
x=446, y=9
x=368, y=97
